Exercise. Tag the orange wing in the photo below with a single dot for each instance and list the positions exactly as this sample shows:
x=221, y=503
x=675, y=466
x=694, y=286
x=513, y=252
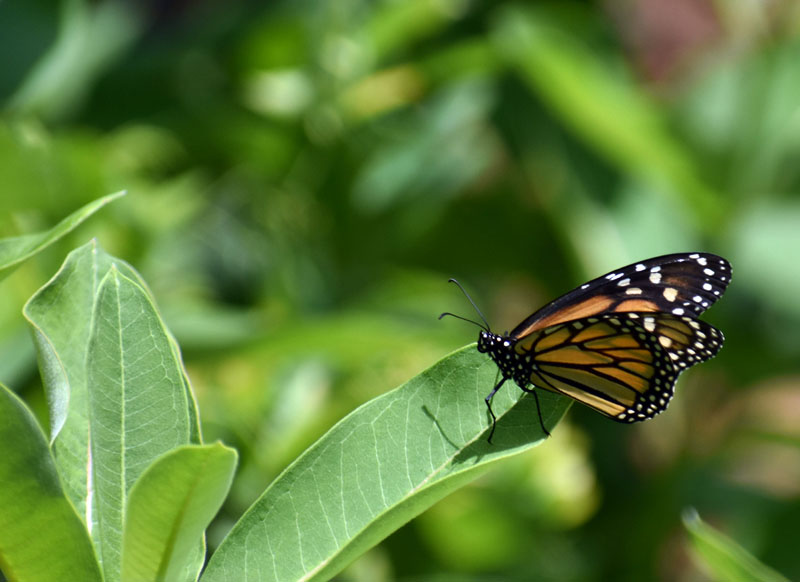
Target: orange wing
x=624, y=365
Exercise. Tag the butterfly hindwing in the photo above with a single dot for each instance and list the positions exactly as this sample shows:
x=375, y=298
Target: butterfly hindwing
x=684, y=284
x=624, y=365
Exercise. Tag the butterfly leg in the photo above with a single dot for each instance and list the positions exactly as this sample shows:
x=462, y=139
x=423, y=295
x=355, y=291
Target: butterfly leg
x=488, y=401
x=538, y=408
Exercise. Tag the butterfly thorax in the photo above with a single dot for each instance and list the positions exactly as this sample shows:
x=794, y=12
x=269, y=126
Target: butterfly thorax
x=501, y=349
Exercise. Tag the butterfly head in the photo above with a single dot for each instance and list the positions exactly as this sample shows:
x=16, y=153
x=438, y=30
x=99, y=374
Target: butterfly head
x=485, y=341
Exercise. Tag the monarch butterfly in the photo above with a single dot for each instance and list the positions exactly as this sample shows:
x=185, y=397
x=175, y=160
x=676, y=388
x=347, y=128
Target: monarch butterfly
x=617, y=343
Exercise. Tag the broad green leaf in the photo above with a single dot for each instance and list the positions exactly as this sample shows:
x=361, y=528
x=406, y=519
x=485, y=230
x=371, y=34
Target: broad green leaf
x=723, y=558
x=60, y=314
x=379, y=467
x=138, y=404
x=169, y=508
x=193, y=563
x=15, y=250
x=609, y=113
x=41, y=535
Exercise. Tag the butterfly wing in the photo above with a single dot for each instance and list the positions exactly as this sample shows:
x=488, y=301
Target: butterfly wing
x=684, y=284
x=624, y=365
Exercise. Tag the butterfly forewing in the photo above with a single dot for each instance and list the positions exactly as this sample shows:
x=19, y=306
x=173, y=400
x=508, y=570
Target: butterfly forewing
x=684, y=284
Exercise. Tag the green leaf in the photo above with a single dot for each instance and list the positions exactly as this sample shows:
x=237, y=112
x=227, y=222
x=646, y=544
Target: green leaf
x=138, y=404
x=723, y=557
x=90, y=38
x=379, y=467
x=15, y=250
x=41, y=535
x=169, y=508
x=61, y=315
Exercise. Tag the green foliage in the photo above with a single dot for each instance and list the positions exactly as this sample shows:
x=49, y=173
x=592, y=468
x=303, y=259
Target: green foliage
x=724, y=558
x=304, y=178
x=41, y=535
x=89, y=321
x=146, y=489
x=14, y=251
x=382, y=465
x=615, y=118
x=168, y=509
x=112, y=371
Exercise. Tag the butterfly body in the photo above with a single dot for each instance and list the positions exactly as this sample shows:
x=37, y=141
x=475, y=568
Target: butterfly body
x=617, y=343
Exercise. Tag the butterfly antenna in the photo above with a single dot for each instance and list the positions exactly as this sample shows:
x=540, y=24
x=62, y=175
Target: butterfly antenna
x=472, y=321
x=485, y=325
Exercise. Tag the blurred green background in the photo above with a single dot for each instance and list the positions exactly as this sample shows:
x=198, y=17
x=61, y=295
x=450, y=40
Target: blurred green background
x=304, y=177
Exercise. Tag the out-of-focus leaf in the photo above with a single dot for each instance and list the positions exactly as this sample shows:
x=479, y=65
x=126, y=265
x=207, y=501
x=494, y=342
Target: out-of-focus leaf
x=15, y=250
x=609, y=114
x=744, y=112
x=41, y=536
x=451, y=147
x=383, y=464
x=723, y=557
x=472, y=57
x=169, y=508
x=91, y=36
x=395, y=25
x=765, y=235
